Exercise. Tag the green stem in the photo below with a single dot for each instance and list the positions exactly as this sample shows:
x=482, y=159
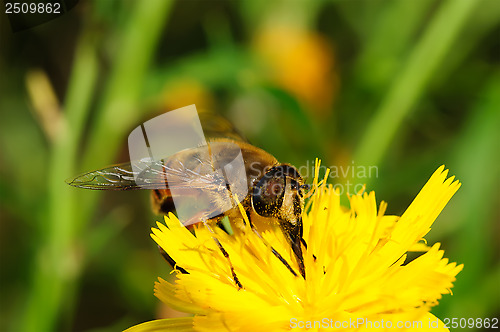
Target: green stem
x=55, y=266
x=428, y=54
x=119, y=109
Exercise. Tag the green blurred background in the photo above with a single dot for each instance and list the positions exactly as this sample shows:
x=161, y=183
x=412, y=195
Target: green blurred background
x=403, y=85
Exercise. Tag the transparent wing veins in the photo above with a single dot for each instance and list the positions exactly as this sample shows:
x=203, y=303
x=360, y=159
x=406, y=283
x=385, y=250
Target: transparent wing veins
x=150, y=175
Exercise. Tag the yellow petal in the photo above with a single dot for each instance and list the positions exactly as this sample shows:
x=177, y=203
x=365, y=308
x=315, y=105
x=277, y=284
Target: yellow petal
x=167, y=293
x=183, y=324
x=418, y=218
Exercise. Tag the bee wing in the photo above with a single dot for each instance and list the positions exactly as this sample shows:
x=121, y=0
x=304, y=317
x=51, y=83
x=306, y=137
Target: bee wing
x=116, y=177
x=217, y=126
x=146, y=176
x=202, y=182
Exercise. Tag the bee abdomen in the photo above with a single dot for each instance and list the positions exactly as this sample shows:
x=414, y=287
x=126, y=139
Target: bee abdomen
x=162, y=201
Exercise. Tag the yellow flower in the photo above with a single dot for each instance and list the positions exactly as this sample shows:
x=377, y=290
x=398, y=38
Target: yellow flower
x=356, y=274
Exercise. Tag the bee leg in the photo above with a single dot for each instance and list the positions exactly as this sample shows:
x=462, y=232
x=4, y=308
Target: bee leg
x=225, y=253
x=295, y=238
x=274, y=251
x=171, y=261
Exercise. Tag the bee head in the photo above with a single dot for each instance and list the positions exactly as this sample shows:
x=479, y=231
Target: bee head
x=279, y=193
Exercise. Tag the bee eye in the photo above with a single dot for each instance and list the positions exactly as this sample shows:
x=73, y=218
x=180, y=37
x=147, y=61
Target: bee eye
x=267, y=196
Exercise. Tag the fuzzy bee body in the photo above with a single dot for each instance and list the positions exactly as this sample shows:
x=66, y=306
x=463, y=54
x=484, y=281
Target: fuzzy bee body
x=270, y=192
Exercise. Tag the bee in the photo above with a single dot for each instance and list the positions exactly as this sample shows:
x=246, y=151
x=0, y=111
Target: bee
x=207, y=182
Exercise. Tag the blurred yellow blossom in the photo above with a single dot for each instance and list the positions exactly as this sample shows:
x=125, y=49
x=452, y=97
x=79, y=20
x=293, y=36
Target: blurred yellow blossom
x=299, y=61
x=176, y=93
